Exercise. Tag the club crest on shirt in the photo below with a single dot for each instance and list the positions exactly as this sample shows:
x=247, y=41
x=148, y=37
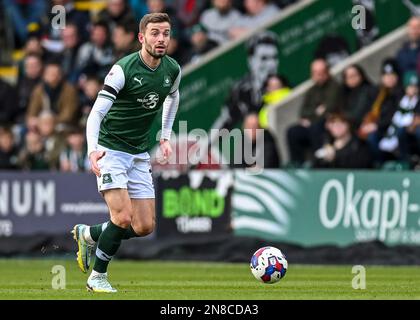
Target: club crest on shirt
x=167, y=82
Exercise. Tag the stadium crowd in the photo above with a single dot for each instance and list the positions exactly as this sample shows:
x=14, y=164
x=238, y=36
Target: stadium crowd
x=42, y=117
x=352, y=123
x=355, y=123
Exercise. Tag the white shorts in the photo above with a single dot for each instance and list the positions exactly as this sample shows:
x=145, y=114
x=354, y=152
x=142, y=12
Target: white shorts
x=121, y=170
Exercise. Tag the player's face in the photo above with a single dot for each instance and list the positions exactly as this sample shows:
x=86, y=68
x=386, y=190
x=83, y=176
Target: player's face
x=156, y=39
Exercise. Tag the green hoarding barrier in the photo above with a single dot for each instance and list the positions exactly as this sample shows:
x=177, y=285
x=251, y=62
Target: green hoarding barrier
x=204, y=90
x=328, y=207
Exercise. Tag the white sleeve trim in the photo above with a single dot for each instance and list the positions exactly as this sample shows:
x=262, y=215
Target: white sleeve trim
x=98, y=112
x=175, y=86
x=115, y=78
x=170, y=107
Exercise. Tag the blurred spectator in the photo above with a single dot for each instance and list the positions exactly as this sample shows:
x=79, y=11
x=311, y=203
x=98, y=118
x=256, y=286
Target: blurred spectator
x=276, y=88
x=69, y=55
x=139, y=8
x=344, y=150
x=258, y=12
x=33, y=156
x=88, y=96
x=33, y=46
x=52, y=141
x=407, y=56
x=51, y=35
x=188, y=11
x=8, y=102
x=74, y=157
x=30, y=79
x=25, y=16
x=357, y=94
x=124, y=38
x=219, y=20
x=413, y=136
x=264, y=149
x=200, y=42
x=8, y=150
x=246, y=95
x=53, y=94
x=322, y=98
x=96, y=57
x=402, y=131
x=116, y=12
x=178, y=42
x=378, y=119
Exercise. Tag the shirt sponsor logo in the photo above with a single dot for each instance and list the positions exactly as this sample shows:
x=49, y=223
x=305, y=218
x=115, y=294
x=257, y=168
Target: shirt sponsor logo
x=150, y=100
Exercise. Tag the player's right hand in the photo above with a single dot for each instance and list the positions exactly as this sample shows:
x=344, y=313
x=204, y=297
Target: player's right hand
x=94, y=157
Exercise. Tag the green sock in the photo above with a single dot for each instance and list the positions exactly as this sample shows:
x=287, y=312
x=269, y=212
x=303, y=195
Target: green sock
x=130, y=233
x=108, y=243
x=96, y=230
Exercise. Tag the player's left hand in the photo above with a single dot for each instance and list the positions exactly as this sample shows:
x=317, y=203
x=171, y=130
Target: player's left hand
x=166, y=149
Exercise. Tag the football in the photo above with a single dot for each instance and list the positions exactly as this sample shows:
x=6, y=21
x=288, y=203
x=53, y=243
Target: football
x=268, y=265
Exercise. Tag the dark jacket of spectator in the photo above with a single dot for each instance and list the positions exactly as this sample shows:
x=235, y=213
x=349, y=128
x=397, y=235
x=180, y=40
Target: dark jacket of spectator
x=354, y=155
x=25, y=88
x=327, y=94
x=407, y=56
x=357, y=102
x=8, y=102
x=343, y=149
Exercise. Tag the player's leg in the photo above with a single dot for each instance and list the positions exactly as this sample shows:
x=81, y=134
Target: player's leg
x=109, y=241
x=141, y=190
x=91, y=234
x=142, y=194
x=143, y=219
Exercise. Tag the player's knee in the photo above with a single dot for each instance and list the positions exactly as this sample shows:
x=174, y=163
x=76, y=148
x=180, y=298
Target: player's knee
x=145, y=228
x=122, y=219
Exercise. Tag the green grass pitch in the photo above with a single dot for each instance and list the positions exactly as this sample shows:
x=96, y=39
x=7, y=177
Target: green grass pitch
x=33, y=278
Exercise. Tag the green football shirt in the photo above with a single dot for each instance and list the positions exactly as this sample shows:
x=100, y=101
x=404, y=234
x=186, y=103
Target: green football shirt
x=138, y=93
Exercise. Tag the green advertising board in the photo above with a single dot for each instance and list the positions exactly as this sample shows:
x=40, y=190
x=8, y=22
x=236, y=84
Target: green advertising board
x=328, y=207
x=204, y=89
x=193, y=205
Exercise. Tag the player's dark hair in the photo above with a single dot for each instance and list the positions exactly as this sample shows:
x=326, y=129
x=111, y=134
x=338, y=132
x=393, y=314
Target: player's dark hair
x=153, y=18
x=266, y=37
